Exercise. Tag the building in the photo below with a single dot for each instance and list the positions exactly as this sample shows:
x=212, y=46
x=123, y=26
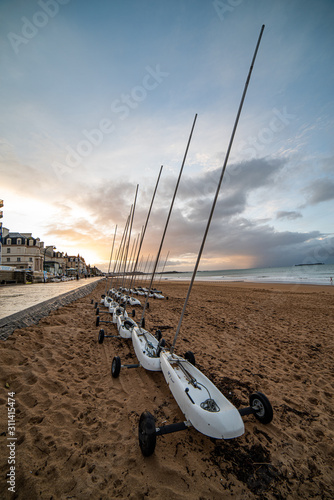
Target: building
x=75, y=264
x=22, y=251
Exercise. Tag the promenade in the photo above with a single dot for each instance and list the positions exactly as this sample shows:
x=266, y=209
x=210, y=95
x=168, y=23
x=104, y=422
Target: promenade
x=22, y=305
x=14, y=299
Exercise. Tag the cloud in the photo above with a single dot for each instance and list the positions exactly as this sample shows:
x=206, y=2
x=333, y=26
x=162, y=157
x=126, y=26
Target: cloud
x=290, y=215
x=232, y=236
x=319, y=191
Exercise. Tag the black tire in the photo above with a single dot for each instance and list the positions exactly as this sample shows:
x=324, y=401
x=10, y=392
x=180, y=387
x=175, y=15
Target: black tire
x=97, y=322
x=147, y=305
x=143, y=323
x=92, y=301
x=97, y=311
x=116, y=366
x=147, y=433
x=102, y=296
x=101, y=336
x=133, y=313
x=262, y=408
x=189, y=356
x=95, y=305
x=166, y=298
x=158, y=335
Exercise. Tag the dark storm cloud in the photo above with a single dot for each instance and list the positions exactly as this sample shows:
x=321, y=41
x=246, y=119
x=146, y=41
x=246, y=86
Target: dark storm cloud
x=231, y=233
x=240, y=180
x=244, y=177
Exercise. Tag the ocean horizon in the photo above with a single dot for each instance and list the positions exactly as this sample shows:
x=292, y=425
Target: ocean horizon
x=314, y=274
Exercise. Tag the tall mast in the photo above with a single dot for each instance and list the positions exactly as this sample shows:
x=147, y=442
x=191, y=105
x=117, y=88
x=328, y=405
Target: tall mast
x=217, y=191
x=168, y=217
x=163, y=268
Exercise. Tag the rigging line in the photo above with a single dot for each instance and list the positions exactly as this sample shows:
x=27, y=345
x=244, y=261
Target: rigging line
x=127, y=248
x=122, y=262
x=147, y=219
x=121, y=248
x=111, y=254
x=117, y=256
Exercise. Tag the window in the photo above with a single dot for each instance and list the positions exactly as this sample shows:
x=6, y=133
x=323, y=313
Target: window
x=30, y=259
x=19, y=241
x=8, y=250
x=19, y=259
x=9, y=241
x=8, y=259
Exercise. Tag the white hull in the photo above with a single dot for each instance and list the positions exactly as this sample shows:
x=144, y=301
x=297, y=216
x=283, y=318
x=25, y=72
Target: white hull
x=119, y=312
x=134, y=302
x=109, y=302
x=224, y=422
x=125, y=326
x=145, y=346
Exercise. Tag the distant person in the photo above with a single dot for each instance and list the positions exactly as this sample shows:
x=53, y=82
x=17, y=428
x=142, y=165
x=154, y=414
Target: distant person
x=77, y=276
x=331, y=280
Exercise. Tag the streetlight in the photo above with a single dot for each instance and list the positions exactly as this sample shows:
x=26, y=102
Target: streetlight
x=53, y=248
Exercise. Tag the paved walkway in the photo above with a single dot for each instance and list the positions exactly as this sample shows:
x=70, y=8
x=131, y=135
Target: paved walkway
x=16, y=298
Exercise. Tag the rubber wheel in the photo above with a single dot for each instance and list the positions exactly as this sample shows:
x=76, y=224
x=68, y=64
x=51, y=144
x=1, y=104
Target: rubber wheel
x=116, y=366
x=133, y=313
x=97, y=311
x=148, y=305
x=158, y=334
x=102, y=296
x=143, y=323
x=101, y=336
x=97, y=322
x=147, y=433
x=92, y=301
x=95, y=305
x=261, y=406
x=189, y=356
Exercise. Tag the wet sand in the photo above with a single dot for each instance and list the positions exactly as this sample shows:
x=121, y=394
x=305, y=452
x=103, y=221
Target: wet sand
x=77, y=427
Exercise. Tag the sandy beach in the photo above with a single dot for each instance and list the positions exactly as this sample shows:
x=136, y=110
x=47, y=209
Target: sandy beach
x=77, y=427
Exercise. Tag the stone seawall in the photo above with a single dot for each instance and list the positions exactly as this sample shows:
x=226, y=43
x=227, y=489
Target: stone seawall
x=33, y=314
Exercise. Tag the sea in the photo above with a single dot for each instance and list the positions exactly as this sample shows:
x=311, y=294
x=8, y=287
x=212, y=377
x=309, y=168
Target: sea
x=315, y=274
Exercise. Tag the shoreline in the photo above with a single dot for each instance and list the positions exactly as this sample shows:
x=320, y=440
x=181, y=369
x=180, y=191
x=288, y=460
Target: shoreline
x=266, y=286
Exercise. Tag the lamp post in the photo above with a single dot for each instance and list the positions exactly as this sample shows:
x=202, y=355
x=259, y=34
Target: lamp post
x=50, y=246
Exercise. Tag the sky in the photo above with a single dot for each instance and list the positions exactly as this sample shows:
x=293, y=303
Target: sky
x=96, y=96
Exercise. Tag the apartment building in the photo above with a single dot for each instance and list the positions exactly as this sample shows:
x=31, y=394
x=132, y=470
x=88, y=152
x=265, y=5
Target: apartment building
x=22, y=251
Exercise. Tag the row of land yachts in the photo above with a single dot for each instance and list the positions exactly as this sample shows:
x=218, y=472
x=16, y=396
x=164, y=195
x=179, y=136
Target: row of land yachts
x=205, y=408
